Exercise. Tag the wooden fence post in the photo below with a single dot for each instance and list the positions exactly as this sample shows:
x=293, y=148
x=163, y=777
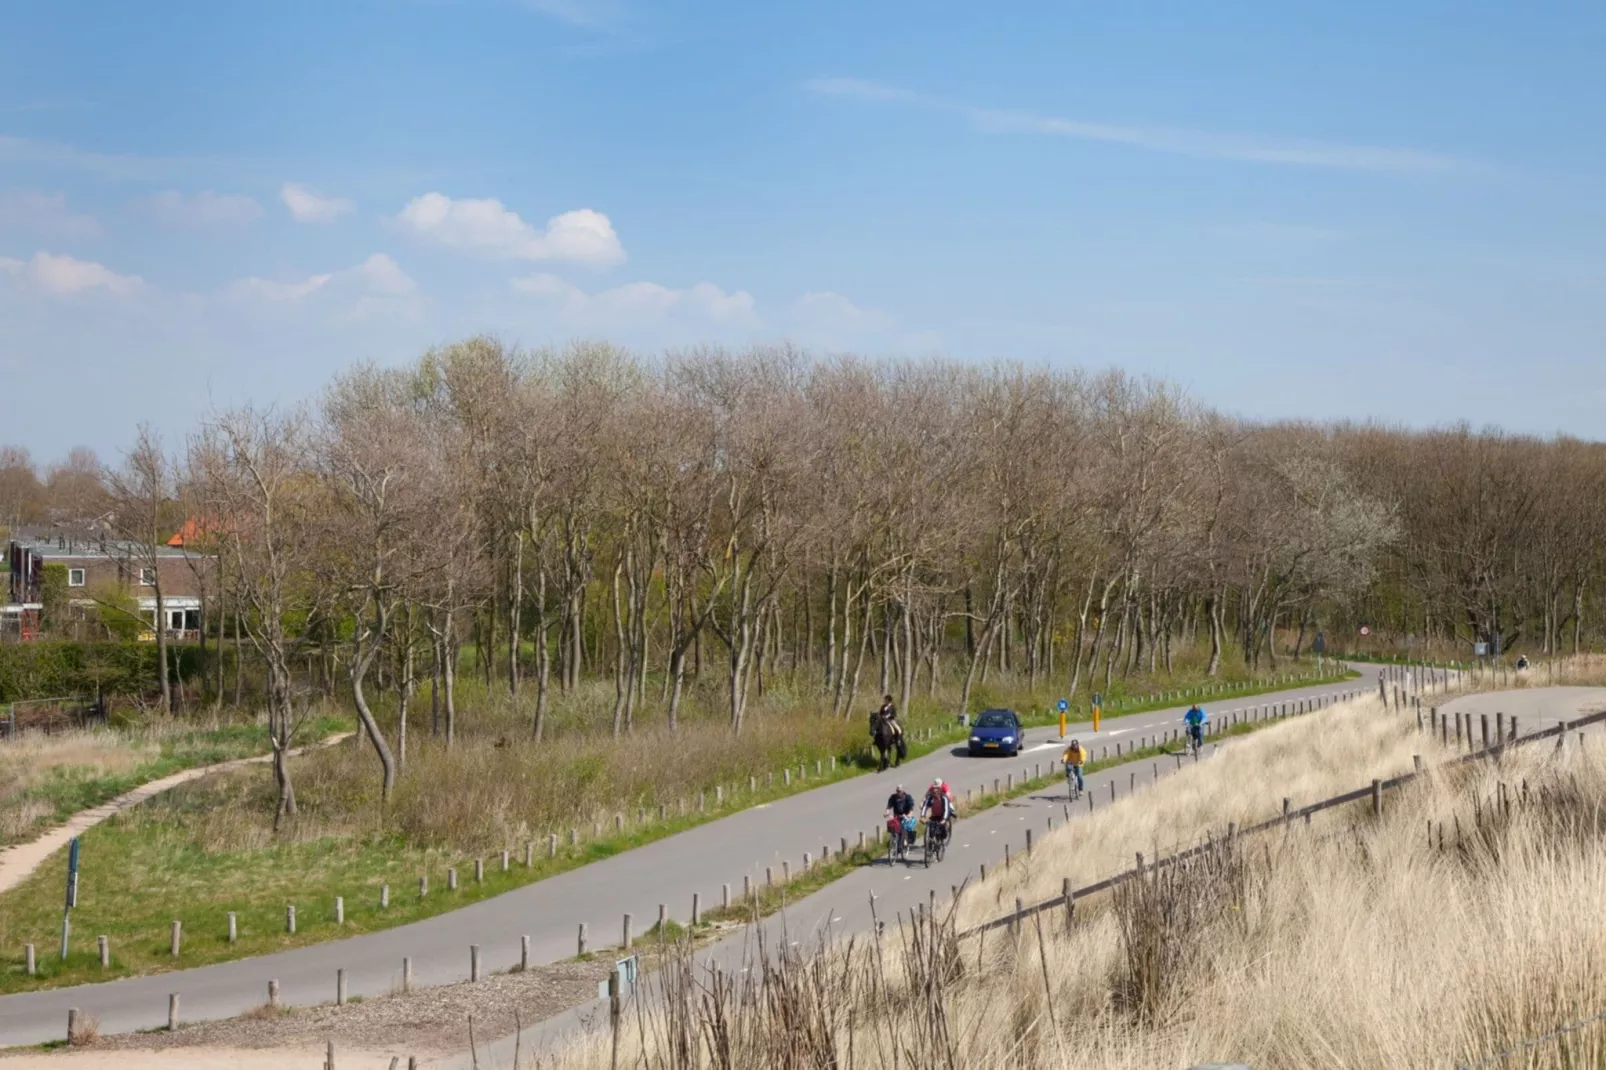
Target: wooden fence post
x=582, y=939
x=176, y=938
x=340, y=988
x=172, y=1013
x=273, y=994
x=473, y=962
x=407, y=975
x=234, y=928
x=1377, y=798
x=105, y=951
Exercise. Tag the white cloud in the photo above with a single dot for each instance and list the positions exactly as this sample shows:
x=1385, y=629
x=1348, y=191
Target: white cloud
x=639, y=302
x=46, y=212
x=832, y=311
x=268, y=290
x=383, y=275
x=486, y=228
x=1197, y=143
x=309, y=206
x=205, y=209
x=377, y=278
x=62, y=275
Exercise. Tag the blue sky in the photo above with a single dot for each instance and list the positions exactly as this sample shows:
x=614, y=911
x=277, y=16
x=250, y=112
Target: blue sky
x=1321, y=211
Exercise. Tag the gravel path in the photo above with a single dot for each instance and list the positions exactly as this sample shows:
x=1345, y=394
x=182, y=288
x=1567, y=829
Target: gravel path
x=427, y=1024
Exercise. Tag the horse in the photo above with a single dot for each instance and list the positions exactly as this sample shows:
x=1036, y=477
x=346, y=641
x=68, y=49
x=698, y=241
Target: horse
x=885, y=739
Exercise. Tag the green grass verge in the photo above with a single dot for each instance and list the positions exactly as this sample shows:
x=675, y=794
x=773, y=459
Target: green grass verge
x=155, y=873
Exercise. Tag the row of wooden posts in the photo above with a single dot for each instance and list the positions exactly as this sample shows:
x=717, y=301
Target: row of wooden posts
x=822, y=767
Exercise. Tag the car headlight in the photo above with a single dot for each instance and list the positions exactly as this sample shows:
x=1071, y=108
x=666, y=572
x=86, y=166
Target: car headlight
x=1009, y=739
x=975, y=739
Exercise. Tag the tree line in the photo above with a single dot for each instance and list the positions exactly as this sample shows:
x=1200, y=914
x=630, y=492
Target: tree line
x=837, y=524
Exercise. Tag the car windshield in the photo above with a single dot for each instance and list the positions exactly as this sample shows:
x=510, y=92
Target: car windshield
x=995, y=719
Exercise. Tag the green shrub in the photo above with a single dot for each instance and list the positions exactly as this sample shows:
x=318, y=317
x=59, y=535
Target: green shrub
x=50, y=669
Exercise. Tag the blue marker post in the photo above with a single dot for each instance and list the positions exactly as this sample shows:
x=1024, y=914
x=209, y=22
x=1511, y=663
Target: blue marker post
x=1063, y=707
x=72, y=897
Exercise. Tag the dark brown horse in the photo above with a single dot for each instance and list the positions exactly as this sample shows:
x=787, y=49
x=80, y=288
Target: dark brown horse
x=888, y=742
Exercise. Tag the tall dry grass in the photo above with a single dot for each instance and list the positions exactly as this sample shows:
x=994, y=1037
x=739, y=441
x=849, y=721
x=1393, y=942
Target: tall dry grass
x=1359, y=943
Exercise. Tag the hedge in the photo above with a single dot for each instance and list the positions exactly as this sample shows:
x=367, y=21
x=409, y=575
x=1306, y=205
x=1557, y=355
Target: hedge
x=53, y=669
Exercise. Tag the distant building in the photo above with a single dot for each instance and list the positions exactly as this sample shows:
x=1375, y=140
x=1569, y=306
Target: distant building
x=97, y=565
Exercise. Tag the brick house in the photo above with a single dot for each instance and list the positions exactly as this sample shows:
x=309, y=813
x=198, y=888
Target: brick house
x=98, y=566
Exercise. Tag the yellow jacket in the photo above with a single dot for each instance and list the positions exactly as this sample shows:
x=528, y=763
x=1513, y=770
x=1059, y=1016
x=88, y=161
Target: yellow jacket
x=1075, y=756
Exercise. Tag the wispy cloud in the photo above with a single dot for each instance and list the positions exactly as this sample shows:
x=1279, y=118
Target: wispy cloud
x=46, y=212
x=310, y=206
x=205, y=209
x=63, y=275
x=639, y=302
x=592, y=14
x=1277, y=233
x=116, y=166
x=1202, y=144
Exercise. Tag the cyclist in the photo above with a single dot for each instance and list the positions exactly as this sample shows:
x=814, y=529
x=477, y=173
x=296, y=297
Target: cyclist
x=1075, y=757
x=900, y=804
x=937, y=810
x=1196, y=719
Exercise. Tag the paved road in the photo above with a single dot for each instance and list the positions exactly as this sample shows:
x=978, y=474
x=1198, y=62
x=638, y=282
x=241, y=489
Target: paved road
x=669, y=871
x=844, y=908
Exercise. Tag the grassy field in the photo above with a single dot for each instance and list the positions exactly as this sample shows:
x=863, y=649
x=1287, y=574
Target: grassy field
x=208, y=847
x=46, y=779
x=1359, y=943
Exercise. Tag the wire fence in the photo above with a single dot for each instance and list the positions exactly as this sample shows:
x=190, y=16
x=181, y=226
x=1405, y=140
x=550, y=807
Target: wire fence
x=1532, y=1044
x=1067, y=899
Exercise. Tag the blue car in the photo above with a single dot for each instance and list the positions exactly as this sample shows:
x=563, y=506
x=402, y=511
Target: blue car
x=996, y=732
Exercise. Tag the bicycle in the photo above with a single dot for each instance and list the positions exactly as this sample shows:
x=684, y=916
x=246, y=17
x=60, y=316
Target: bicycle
x=898, y=845
x=1071, y=782
x=1195, y=740
x=936, y=841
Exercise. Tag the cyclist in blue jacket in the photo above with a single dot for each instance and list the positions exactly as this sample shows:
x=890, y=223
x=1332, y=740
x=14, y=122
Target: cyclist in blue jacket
x=1196, y=719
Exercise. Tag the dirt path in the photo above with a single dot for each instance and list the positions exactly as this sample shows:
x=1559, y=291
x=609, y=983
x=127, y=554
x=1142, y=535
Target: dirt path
x=18, y=863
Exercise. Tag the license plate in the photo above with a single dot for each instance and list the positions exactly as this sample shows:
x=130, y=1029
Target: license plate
x=994, y=746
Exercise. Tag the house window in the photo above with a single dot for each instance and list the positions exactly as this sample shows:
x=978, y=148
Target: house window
x=147, y=577
x=75, y=577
